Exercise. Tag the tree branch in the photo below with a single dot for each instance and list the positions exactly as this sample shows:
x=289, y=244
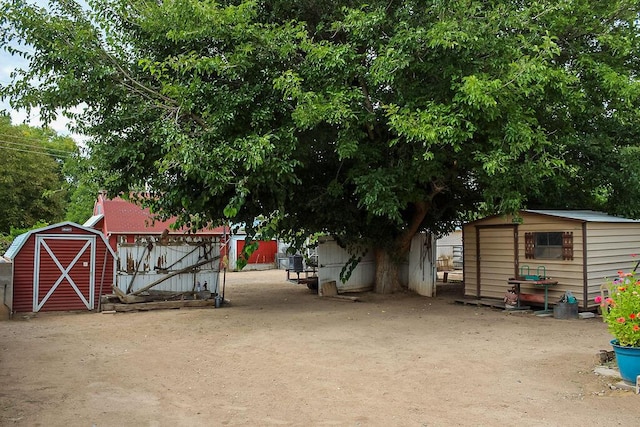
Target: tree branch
x=368, y=105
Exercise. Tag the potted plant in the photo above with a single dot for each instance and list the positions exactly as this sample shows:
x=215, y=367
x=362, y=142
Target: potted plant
x=621, y=312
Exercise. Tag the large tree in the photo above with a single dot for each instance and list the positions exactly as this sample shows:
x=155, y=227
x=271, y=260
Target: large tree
x=32, y=185
x=369, y=122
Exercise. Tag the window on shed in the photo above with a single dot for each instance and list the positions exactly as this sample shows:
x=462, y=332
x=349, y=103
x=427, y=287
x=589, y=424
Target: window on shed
x=549, y=245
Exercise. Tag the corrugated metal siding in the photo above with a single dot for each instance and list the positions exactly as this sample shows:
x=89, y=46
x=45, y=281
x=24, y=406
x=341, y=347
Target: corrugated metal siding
x=64, y=247
x=6, y=289
x=609, y=251
x=104, y=271
x=421, y=275
x=141, y=266
x=568, y=273
x=265, y=254
x=496, y=271
x=23, y=277
x=331, y=260
x=469, y=268
x=497, y=258
x=609, y=246
x=496, y=254
x=446, y=244
x=64, y=297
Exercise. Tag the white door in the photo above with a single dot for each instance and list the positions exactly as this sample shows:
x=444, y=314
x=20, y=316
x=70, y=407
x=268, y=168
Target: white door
x=422, y=264
x=497, y=260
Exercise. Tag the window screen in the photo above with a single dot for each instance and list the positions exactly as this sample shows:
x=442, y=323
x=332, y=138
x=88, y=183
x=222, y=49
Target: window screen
x=547, y=245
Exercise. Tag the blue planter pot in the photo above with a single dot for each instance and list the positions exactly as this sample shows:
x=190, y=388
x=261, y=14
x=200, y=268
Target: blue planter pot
x=628, y=359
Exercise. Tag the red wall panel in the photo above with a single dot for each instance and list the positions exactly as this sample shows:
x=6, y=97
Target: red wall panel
x=265, y=254
x=65, y=250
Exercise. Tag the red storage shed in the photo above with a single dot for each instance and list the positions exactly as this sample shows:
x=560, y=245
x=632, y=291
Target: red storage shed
x=60, y=267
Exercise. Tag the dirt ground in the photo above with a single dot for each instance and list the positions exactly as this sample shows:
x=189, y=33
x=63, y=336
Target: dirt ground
x=278, y=354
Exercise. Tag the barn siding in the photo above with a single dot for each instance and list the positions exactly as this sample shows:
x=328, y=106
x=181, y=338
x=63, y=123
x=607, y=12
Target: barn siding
x=495, y=242
x=61, y=240
x=82, y=273
x=236, y=243
x=610, y=248
x=23, y=277
x=265, y=254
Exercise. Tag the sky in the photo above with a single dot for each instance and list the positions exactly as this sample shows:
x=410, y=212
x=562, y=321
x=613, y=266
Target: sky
x=8, y=63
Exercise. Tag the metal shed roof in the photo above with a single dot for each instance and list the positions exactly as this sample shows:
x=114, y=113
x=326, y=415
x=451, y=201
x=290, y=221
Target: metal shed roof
x=91, y=222
x=15, y=246
x=19, y=241
x=582, y=215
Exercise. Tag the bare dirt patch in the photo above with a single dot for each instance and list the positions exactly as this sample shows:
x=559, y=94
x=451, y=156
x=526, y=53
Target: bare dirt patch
x=280, y=355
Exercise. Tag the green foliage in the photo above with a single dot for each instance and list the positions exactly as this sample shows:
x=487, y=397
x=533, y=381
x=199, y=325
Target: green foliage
x=350, y=266
x=32, y=184
x=248, y=249
x=8, y=238
x=366, y=122
x=621, y=309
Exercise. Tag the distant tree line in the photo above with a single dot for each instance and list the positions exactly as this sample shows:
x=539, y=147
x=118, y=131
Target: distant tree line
x=40, y=180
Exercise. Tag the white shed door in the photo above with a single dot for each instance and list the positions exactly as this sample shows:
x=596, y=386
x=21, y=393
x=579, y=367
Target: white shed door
x=422, y=264
x=497, y=260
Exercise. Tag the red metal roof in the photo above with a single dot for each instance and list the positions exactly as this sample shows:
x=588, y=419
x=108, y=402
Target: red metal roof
x=124, y=217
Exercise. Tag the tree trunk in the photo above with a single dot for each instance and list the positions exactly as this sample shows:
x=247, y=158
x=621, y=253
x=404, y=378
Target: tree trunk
x=387, y=267
x=387, y=274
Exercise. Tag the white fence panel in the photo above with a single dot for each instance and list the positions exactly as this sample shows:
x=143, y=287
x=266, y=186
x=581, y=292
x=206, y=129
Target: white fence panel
x=422, y=264
x=150, y=258
x=331, y=260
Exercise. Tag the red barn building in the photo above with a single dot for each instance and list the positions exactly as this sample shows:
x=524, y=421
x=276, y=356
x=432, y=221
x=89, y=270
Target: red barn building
x=60, y=267
x=121, y=221
x=124, y=223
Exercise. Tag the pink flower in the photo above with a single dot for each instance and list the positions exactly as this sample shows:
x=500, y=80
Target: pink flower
x=598, y=299
x=636, y=328
x=621, y=320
